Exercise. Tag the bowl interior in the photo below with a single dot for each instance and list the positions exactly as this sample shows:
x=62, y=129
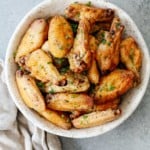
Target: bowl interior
x=131, y=99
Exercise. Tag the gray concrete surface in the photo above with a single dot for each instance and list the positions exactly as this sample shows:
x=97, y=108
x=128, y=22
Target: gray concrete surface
x=134, y=134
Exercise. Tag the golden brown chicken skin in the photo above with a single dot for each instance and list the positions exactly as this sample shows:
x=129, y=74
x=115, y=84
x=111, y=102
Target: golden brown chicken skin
x=60, y=37
x=29, y=91
x=41, y=67
x=69, y=102
x=113, y=85
x=75, y=83
x=32, y=39
x=93, y=73
x=80, y=55
x=131, y=56
x=104, y=52
x=100, y=26
x=78, y=12
x=113, y=104
x=108, y=50
x=116, y=31
x=96, y=118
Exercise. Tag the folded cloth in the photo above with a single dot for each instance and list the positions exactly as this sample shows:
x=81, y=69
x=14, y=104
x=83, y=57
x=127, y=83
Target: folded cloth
x=16, y=133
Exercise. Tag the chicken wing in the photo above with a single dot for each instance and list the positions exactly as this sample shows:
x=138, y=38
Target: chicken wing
x=96, y=118
x=93, y=73
x=80, y=55
x=69, y=102
x=131, y=56
x=33, y=38
x=57, y=118
x=113, y=85
x=108, y=50
x=104, y=52
x=75, y=83
x=60, y=37
x=41, y=67
x=78, y=12
x=29, y=92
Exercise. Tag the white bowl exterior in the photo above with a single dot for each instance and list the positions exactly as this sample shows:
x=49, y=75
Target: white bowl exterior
x=131, y=99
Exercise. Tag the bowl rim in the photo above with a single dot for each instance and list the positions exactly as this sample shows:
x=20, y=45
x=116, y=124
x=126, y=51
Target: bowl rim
x=52, y=130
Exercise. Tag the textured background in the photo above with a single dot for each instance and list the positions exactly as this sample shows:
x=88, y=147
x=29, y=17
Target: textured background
x=134, y=134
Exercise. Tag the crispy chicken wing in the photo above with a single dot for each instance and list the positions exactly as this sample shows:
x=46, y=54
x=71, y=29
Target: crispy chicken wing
x=30, y=92
x=113, y=85
x=41, y=67
x=60, y=37
x=57, y=118
x=93, y=73
x=69, y=102
x=78, y=12
x=75, y=83
x=96, y=118
x=33, y=38
x=108, y=50
x=80, y=55
x=105, y=51
x=131, y=56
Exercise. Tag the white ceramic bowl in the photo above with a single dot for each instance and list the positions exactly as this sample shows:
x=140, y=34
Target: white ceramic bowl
x=131, y=99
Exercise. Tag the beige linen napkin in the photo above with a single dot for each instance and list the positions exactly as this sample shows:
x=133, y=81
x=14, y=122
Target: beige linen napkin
x=16, y=133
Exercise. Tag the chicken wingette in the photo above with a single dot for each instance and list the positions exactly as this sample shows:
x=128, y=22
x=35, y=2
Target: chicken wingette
x=108, y=50
x=29, y=92
x=131, y=56
x=78, y=12
x=80, y=55
x=113, y=85
x=60, y=37
x=32, y=39
x=41, y=67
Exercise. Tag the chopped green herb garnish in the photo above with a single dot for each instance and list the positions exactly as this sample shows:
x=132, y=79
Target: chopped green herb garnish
x=64, y=70
x=103, y=35
x=67, y=101
x=74, y=90
x=89, y=4
x=81, y=123
x=40, y=85
x=118, y=25
x=49, y=62
x=74, y=26
x=92, y=87
x=52, y=91
x=85, y=116
x=111, y=88
x=20, y=68
x=109, y=43
x=131, y=55
x=103, y=41
x=74, y=95
x=71, y=82
x=42, y=67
